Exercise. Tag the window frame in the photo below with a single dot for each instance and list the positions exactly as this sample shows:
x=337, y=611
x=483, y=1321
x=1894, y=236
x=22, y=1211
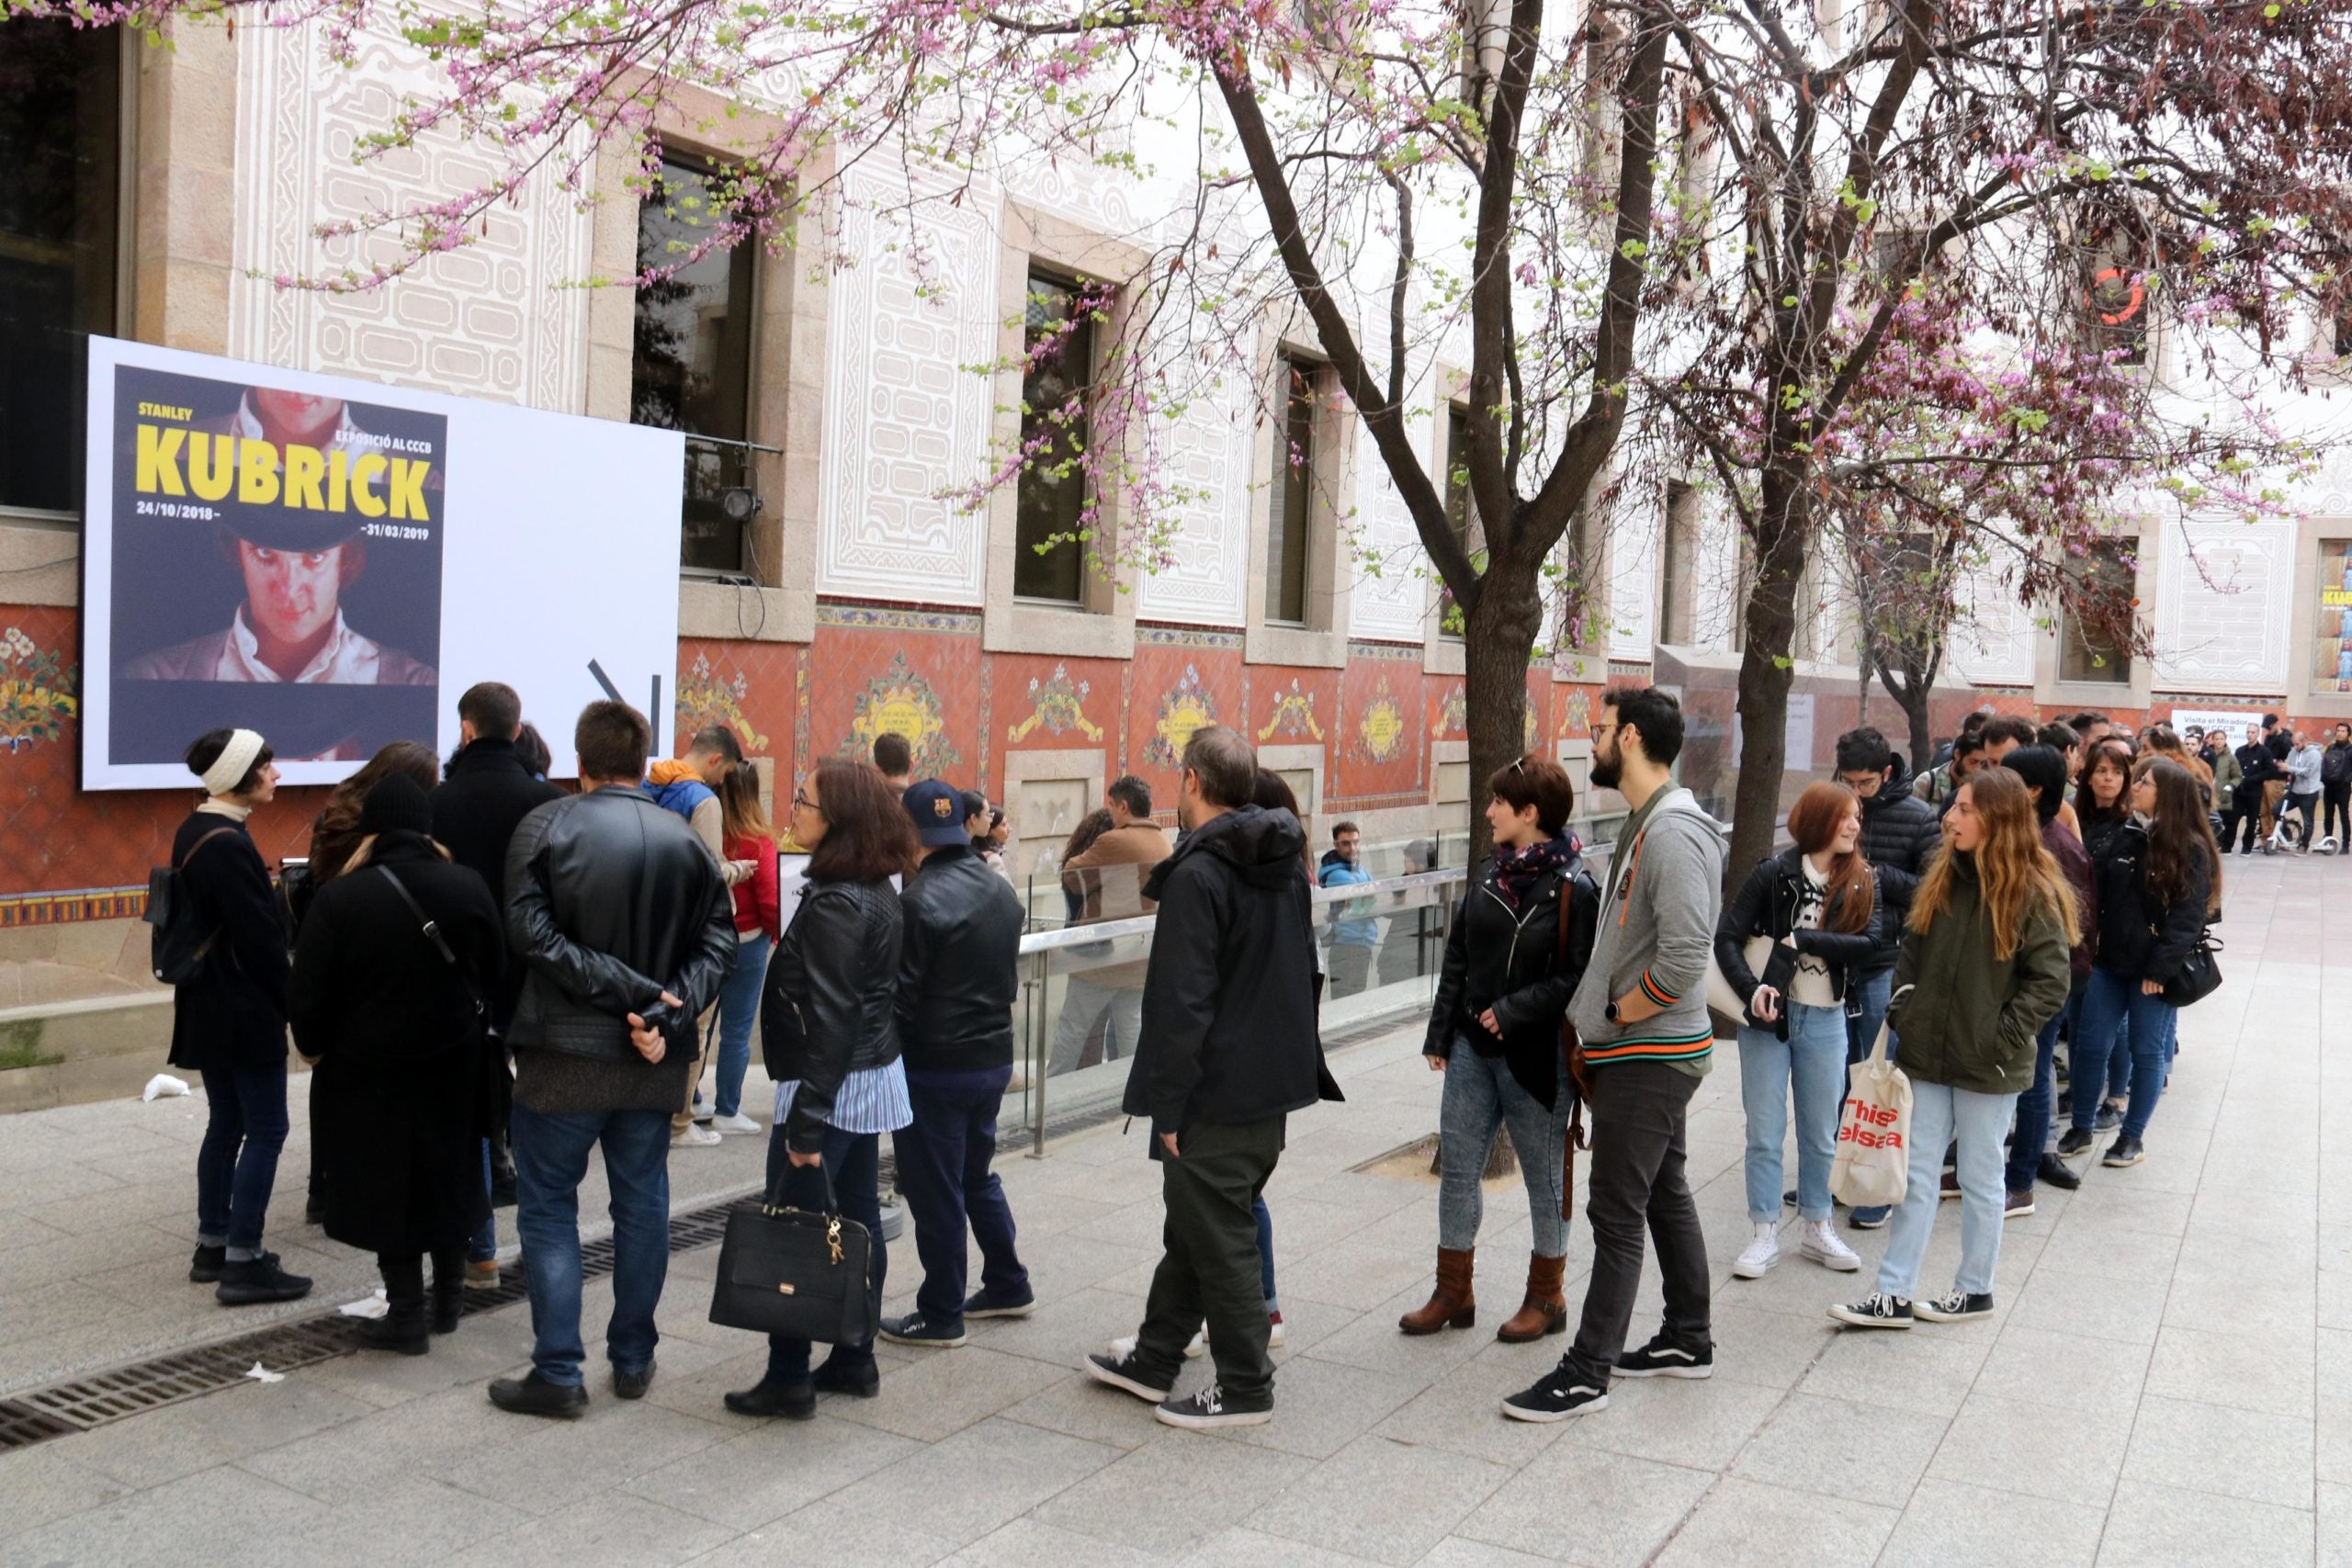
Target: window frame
x=1087, y=557
x=1298, y=378
x=2069, y=630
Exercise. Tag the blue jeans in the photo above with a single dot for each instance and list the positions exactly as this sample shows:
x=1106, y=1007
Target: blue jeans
x=236, y=1165
x=1480, y=1096
x=943, y=1170
x=739, y=1005
x=1866, y=994
x=1981, y=1121
x=2116, y=1011
x=551, y=1158
x=855, y=1160
x=2033, y=1109
x=484, y=1248
x=1811, y=1063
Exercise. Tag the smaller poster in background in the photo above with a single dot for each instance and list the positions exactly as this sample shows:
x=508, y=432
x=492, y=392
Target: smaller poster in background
x=2331, y=628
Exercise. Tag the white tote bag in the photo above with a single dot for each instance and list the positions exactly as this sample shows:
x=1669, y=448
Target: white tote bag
x=1874, y=1165
x=1757, y=950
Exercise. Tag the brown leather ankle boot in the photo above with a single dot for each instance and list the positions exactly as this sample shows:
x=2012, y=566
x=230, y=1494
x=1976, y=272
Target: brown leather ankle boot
x=1451, y=1305
x=1544, y=1311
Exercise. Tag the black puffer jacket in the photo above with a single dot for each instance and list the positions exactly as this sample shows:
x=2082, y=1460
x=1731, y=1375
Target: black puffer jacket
x=1900, y=833
x=1230, y=1033
x=611, y=901
x=475, y=812
x=833, y=991
x=1509, y=960
x=2141, y=937
x=233, y=1012
x=1766, y=904
x=959, y=966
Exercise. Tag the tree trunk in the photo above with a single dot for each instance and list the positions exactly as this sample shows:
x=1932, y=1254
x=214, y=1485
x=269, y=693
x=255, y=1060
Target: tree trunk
x=1767, y=665
x=1499, y=635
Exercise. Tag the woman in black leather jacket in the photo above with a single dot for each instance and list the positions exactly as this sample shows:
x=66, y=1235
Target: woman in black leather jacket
x=1817, y=900
x=1495, y=1032
x=831, y=1047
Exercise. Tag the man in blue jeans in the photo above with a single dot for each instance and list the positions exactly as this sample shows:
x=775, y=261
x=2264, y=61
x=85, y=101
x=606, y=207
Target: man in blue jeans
x=623, y=922
x=1899, y=836
x=958, y=975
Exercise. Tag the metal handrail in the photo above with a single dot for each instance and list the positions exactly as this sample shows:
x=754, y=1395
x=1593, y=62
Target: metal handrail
x=1139, y=925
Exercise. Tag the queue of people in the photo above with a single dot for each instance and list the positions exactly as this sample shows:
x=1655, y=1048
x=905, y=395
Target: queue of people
x=489, y=967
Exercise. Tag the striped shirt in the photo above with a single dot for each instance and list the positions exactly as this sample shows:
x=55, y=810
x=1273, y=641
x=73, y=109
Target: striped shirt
x=872, y=1099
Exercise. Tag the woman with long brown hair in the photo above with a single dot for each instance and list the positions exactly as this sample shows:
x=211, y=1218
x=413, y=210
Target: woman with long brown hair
x=2159, y=879
x=1817, y=900
x=832, y=1045
x=759, y=921
x=1984, y=967
x=2102, y=791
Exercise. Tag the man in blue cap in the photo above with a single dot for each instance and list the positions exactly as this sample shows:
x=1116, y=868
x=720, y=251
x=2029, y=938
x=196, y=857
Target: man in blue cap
x=958, y=977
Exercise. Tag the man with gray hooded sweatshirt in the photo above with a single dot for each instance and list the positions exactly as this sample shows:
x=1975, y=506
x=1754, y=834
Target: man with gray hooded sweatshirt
x=1641, y=1014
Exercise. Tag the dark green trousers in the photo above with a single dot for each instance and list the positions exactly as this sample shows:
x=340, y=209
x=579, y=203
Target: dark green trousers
x=1209, y=1269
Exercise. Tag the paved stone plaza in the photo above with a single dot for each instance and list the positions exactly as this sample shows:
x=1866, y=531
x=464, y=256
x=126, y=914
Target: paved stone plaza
x=2164, y=1382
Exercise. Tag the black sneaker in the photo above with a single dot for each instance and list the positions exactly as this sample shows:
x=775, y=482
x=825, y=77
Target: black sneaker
x=1127, y=1373
x=2053, y=1170
x=793, y=1401
x=2125, y=1150
x=258, y=1279
x=980, y=1304
x=1212, y=1408
x=1661, y=1358
x=916, y=1329
x=1877, y=1310
x=2073, y=1141
x=204, y=1269
x=2107, y=1119
x=534, y=1395
x=861, y=1378
x=1869, y=1217
x=632, y=1383
x=1955, y=1306
x=1559, y=1393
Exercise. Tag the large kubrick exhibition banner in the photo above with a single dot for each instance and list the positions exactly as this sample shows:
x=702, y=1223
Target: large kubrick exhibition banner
x=332, y=562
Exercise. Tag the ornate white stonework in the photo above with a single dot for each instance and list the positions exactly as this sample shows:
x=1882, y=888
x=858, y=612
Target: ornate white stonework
x=1634, y=548
x=492, y=321
x=1208, y=449
x=905, y=419
x=1993, y=642
x=1393, y=605
x=2225, y=606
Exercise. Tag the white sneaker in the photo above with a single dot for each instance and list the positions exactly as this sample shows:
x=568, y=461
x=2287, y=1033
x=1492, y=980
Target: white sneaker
x=1822, y=1244
x=693, y=1138
x=1761, y=1254
x=739, y=1122
x=1125, y=1346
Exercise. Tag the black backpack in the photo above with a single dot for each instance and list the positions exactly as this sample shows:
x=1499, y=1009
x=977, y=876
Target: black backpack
x=180, y=947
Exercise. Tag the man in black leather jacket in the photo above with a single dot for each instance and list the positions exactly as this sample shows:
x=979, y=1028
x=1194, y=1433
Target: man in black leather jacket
x=624, y=921
x=958, y=976
x=1229, y=1048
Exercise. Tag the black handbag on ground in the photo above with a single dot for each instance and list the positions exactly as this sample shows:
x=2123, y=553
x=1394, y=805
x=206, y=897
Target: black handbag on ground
x=2200, y=975
x=805, y=1276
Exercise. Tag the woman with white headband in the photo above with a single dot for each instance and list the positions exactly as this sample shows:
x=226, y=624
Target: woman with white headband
x=229, y=1020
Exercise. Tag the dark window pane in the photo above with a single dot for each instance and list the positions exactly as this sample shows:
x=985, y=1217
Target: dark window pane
x=692, y=368
x=1287, y=509
x=60, y=119
x=2085, y=653
x=1049, y=558
x=1457, y=509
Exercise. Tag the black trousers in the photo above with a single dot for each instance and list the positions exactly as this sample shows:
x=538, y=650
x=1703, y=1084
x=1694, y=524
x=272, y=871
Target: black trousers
x=404, y=1273
x=2336, y=806
x=1210, y=1267
x=1640, y=1119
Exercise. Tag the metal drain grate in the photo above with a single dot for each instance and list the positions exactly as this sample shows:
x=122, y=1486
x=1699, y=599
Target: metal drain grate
x=93, y=1400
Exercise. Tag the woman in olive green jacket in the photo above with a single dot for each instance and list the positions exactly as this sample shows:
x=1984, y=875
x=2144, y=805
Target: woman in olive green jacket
x=1984, y=967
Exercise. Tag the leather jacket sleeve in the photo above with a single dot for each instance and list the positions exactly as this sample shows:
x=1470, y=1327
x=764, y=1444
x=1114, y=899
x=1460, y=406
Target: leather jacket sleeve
x=1547, y=1001
x=1849, y=947
x=916, y=950
x=1748, y=915
x=833, y=953
x=710, y=959
x=591, y=978
x=1444, y=1023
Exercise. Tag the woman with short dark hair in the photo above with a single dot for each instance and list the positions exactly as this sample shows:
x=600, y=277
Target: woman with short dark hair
x=1521, y=938
x=229, y=1019
x=832, y=1045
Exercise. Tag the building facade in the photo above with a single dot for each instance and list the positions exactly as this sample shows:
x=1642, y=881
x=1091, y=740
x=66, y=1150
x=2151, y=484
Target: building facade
x=173, y=186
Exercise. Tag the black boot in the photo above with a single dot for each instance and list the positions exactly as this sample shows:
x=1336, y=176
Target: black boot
x=258, y=1279
x=855, y=1375
x=402, y=1329
x=448, y=1292
x=534, y=1395
x=793, y=1401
